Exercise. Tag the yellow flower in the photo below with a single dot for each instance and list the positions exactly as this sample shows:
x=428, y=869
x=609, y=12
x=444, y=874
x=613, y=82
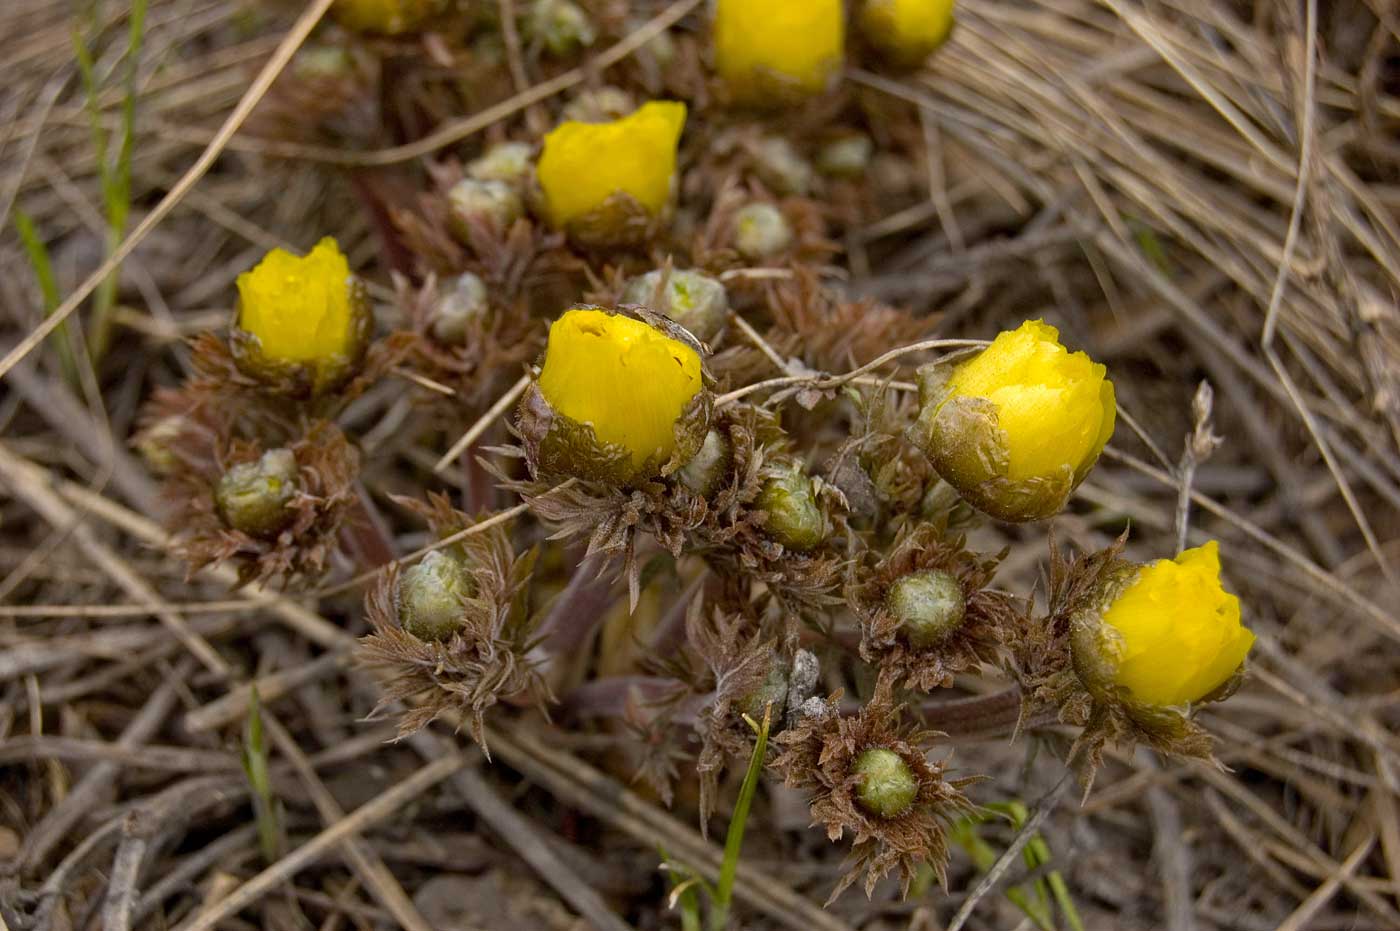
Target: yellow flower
x=773, y=51
x=605, y=182
x=384, y=17
x=907, y=30
x=617, y=399
x=1017, y=427
x=1173, y=634
x=303, y=322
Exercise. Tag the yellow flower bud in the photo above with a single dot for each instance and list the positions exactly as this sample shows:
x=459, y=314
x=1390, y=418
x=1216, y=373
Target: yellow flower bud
x=1017, y=427
x=770, y=53
x=303, y=323
x=383, y=17
x=906, y=31
x=1170, y=636
x=618, y=399
x=607, y=183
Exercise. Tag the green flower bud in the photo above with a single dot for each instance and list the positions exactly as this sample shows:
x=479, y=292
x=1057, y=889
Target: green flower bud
x=694, y=300
x=156, y=444
x=463, y=300
x=599, y=105
x=662, y=49
x=761, y=231
x=929, y=605
x=493, y=201
x=795, y=517
x=703, y=473
x=773, y=692
x=846, y=157
x=562, y=27
x=430, y=596
x=255, y=497
x=318, y=62
x=780, y=166
x=508, y=162
x=887, y=787
x=944, y=507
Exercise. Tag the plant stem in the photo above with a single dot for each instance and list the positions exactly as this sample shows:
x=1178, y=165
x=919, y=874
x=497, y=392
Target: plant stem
x=982, y=716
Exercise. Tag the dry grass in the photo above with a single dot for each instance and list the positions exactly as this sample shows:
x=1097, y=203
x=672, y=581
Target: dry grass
x=1194, y=190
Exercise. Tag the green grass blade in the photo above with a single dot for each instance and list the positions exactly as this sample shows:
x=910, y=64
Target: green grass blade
x=39, y=260
x=734, y=840
x=255, y=766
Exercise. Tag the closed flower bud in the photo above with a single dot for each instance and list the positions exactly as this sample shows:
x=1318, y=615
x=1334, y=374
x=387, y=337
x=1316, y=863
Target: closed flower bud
x=772, y=53
x=303, y=323
x=508, y=162
x=561, y=26
x=618, y=399
x=255, y=497
x=771, y=693
x=157, y=443
x=942, y=504
x=323, y=62
x=761, y=231
x=846, y=157
x=1169, y=635
x=493, y=202
x=1017, y=427
x=462, y=301
x=887, y=785
x=693, y=299
x=431, y=594
x=795, y=517
x=780, y=166
x=929, y=605
x=383, y=17
x=703, y=473
x=609, y=183
x=906, y=31
x=599, y=105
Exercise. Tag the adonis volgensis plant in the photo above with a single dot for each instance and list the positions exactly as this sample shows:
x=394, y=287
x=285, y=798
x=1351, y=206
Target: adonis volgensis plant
x=628, y=303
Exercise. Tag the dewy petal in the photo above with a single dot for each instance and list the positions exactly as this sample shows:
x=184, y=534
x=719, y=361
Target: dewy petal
x=299, y=308
x=626, y=380
x=582, y=165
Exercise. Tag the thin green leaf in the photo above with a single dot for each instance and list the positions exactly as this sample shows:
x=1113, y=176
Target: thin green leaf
x=734, y=841
x=266, y=811
x=39, y=261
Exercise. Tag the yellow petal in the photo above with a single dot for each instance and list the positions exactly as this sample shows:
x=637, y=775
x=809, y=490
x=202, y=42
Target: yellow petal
x=1054, y=407
x=628, y=381
x=584, y=164
x=798, y=41
x=301, y=309
x=1176, y=632
x=907, y=29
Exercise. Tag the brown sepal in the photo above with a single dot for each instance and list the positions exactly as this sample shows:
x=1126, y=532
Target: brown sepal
x=818, y=754
x=992, y=621
x=326, y=468
x=487, y=660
